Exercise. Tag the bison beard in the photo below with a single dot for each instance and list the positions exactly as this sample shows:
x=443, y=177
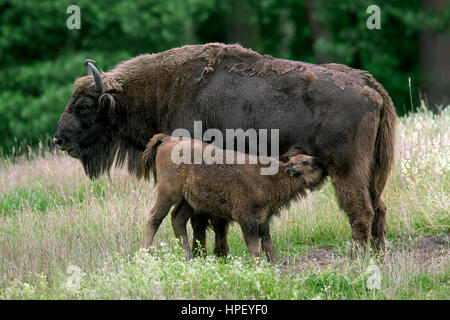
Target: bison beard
x=340, y=116
x=100, y=158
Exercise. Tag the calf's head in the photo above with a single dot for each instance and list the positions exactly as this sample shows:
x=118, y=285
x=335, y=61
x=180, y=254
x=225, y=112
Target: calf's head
x=85, y=129
x=304, y=167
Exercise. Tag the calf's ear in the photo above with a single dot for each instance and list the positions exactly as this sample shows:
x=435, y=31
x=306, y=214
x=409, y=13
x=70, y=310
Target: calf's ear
x=284, y=158
x=294, y=151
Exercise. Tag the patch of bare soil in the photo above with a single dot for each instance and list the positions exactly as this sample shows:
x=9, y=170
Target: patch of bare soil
x=428, y=249
x=321, y=257
x=424, y=251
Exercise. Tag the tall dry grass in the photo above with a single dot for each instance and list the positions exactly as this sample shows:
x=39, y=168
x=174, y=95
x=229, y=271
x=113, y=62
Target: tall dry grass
x=52, y=217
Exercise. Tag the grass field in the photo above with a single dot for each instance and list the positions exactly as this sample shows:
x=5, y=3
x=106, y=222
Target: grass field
x=63, y=236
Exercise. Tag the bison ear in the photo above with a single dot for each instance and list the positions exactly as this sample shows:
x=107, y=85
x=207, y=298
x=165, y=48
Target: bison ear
x=108, y=105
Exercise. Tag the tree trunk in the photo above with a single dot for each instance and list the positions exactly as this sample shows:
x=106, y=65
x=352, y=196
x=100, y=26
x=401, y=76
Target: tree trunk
x=318, y=31
x=435, y=60
x=242, y=24
x=287, y=33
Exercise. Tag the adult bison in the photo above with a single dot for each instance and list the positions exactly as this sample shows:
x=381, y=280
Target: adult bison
x=339, y=115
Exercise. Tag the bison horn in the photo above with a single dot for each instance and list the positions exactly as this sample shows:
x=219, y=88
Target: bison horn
x=92, y=70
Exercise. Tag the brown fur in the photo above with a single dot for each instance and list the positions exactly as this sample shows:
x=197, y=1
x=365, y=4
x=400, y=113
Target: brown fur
x=231, y=192
x=365, y=208
x=339, y=115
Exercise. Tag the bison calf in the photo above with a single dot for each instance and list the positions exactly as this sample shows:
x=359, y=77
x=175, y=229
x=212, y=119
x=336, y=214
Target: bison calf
x=232, y=192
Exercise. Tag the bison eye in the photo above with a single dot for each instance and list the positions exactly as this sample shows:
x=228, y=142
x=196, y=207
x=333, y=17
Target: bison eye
x=305, y=162
x=83, y=109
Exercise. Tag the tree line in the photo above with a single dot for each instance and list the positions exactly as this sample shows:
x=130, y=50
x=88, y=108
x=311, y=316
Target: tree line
x=40, y=57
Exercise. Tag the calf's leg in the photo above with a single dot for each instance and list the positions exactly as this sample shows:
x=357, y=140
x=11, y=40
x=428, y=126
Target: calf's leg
x=267, y=242
x=220, y=227
x=180, y=215
x=199, y=223
x=250, y=229
x=182, y=212
x=157, y=215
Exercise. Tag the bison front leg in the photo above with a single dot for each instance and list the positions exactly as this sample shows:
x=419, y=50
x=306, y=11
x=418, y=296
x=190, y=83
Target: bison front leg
x=180, y=216
x=157, y=215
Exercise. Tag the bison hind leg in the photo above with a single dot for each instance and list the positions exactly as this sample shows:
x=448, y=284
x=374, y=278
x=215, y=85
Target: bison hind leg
x=379, y=228
x=354, y=198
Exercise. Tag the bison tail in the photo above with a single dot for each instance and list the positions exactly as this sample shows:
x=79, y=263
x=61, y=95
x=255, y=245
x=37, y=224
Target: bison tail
x=384, y=156
x=149, y=156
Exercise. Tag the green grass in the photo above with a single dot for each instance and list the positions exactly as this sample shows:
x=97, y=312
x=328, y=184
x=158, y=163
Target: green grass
x=63, y=236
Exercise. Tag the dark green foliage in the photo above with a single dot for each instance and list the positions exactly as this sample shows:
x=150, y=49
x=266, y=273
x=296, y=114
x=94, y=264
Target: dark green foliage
x=40, y=57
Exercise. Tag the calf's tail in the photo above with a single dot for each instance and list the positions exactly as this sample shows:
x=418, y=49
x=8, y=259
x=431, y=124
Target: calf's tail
x=149, y=156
